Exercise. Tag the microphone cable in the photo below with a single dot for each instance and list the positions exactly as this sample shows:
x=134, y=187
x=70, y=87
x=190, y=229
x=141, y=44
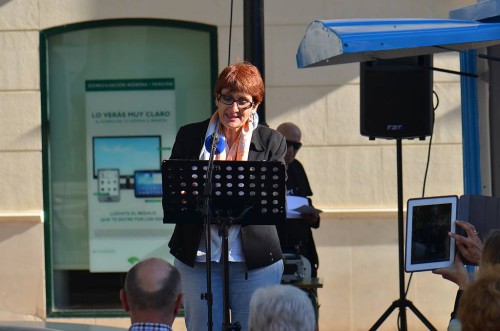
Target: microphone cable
x=430, y=143
x=423, y=185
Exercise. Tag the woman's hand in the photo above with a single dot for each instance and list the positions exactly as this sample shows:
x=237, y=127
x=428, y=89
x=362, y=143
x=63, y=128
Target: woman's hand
x=471, y=246
x=311, y=216
x=455, y=273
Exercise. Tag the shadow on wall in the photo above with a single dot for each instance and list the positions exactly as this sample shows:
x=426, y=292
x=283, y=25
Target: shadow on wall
x=357, y=230
x=11, y=230
x=4, y=2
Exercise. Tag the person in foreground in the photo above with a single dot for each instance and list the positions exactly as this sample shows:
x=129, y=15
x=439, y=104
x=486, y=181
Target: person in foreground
x=479, y=308
x=471, y=248
x=254, y=250
x=281, y=308
x=152, y=295
x=296, y=235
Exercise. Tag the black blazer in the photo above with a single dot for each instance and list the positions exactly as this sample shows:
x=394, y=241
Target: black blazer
x=260, y=243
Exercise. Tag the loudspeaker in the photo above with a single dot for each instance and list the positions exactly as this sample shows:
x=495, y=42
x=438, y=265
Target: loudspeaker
x=396, y=98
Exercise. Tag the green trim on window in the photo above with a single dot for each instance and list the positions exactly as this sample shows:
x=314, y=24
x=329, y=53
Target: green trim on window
x=49, y=281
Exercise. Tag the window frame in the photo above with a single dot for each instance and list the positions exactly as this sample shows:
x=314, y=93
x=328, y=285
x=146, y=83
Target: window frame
x=45, y=121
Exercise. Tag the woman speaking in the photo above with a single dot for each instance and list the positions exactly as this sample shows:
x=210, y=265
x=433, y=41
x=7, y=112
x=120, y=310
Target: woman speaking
x=254, y=250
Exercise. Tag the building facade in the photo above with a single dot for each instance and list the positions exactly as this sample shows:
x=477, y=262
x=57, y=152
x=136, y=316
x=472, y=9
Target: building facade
x=353, y=178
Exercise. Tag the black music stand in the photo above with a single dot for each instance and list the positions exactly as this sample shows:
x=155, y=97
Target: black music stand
x=238, y=192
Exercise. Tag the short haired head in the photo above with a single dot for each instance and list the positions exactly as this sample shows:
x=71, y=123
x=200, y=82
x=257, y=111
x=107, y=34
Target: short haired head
x=491, y=250
x=241, y=77
x=293, y=136
x=291, y=131
x=152, y=285
x=281, y=308
x=479, y=307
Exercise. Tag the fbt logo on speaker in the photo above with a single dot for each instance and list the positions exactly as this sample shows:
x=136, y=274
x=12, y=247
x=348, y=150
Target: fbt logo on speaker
x=394, y=127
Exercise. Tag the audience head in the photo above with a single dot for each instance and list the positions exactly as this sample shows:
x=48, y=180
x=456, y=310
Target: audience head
x=491, y=250
x=152, y=292
x=281, y=308
x=293, y=135
x=479, y=307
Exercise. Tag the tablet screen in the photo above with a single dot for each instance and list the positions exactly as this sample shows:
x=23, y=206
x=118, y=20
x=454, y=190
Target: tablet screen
x=429, y=220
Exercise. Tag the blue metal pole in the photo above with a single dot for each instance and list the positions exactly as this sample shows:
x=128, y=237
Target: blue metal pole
x=470, y=126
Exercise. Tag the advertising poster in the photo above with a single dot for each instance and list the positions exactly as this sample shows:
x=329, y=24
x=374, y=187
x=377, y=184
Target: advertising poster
x=130, y=130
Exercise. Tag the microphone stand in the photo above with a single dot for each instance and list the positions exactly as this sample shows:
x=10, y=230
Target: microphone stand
x=224, y=224
x=207, y=202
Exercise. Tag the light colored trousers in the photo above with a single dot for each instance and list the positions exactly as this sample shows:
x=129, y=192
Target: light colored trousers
x=242, y=284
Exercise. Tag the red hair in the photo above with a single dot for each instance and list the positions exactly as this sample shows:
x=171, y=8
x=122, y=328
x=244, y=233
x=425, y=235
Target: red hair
x=241, y=77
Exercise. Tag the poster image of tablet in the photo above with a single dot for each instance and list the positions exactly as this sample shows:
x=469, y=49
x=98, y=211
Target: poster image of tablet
x=428, y=245
x=148, y=184
x=108, y=185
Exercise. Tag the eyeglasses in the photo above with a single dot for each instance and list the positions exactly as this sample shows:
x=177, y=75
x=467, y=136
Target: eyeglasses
x=293, y=144
x=242, y=104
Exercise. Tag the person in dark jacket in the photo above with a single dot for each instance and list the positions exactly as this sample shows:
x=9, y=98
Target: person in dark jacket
x=296, y=235
x=254, y=250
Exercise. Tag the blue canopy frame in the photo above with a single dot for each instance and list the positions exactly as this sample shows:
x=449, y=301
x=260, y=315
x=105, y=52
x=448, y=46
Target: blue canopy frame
x=328, y=42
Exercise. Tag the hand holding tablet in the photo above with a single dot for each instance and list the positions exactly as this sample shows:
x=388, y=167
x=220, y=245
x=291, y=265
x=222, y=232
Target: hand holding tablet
x=470, y=245
x=455, y=273
x=428, y=224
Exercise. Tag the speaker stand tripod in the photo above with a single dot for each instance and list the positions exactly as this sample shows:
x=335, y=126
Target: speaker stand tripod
x=402, y=303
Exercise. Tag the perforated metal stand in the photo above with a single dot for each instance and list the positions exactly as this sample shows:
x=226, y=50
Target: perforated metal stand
x=239, y=192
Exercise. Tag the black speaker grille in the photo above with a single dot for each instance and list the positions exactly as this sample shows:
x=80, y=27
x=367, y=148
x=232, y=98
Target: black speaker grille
x=396, y=98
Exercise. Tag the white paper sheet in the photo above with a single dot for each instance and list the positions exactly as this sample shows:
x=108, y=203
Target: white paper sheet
x=293, y=203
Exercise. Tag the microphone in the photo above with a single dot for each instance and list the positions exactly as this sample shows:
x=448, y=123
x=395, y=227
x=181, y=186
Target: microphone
x=219, y=141
x=214, y=144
